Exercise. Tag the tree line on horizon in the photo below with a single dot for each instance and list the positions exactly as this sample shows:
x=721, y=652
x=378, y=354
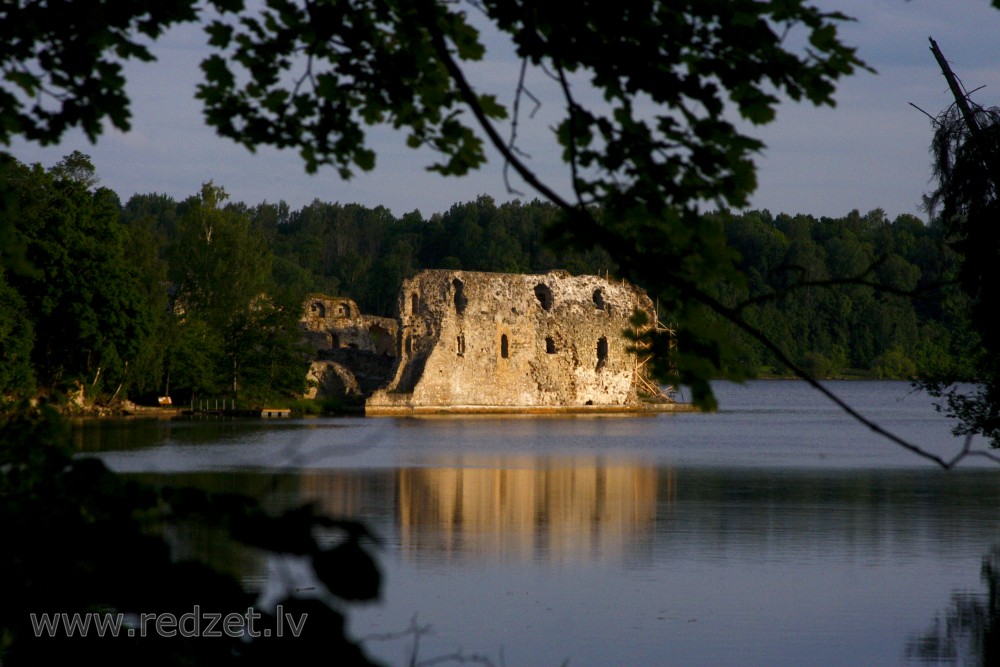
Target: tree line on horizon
x=201, y=297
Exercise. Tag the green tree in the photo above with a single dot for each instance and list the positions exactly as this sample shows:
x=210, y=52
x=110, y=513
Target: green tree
x=218, y=262
x=236, y=306
x=144, y=245
x=16, y=340
x=89, y=317
x=62, y=63
x=648, y=167
x=401, y=63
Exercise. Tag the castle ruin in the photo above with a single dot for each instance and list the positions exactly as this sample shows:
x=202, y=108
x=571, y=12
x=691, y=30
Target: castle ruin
x=491, y=342
x=353, y=353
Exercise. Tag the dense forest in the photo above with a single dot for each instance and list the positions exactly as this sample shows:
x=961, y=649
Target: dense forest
x=201, y=297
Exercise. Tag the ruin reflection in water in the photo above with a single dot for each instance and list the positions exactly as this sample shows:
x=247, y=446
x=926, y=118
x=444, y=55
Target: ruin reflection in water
x=510, y=510
x=507, y=509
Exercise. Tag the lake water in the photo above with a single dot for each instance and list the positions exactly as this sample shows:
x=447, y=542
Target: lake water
x=776, y=531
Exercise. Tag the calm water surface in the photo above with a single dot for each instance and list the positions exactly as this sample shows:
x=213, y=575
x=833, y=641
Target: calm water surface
x=774, y=532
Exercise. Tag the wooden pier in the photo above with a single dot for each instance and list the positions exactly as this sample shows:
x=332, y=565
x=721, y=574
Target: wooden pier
x=227, y=408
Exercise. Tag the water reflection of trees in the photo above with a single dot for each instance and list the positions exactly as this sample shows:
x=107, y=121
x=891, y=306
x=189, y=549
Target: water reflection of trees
x=115, y=435
x=968, y=632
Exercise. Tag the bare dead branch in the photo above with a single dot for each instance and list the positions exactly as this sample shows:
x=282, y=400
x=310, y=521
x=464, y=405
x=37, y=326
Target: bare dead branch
x=571, y=106
x=515, y=117
x=933, y=119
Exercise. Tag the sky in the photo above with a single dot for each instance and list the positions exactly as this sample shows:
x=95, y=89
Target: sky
x=870, y=151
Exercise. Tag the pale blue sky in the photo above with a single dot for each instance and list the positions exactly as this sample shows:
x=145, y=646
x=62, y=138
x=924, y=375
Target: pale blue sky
x=870, y=151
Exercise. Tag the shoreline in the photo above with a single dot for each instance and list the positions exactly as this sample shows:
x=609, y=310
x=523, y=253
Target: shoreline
x=445, y=410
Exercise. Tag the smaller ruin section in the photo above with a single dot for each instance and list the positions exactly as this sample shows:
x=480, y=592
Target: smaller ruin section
x=329, y=378
x=331, y=322
x=490, y=342
x=353, y=354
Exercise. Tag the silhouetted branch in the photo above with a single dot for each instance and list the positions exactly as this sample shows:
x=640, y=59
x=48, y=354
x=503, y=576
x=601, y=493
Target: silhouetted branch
x=933, y=119
x=571, y=106
x=417, y=632
x=515, y=118
x=470, y=98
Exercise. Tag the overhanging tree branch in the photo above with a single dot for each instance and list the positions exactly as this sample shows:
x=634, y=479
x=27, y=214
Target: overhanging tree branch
x=472, y=101
x=582, y=217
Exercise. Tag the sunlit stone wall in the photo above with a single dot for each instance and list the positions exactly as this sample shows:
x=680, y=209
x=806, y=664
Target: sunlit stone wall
x=352, y=352
x=489, y=339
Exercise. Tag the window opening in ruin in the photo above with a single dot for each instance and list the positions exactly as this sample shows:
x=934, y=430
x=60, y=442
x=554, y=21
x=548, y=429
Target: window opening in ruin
x=550, y=345
x=544, y=295
x=461, y=346
x=599, y=298
x=382, y=340
x=460, y=300
x=504, y=349
x=345, y=310
x=334, y=341
x=409, y=345
x=602, y=352
x=414, y=303
x=319, y=309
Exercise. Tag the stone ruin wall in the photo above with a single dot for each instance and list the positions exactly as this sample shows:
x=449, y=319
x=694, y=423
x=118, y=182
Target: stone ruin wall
x=331, y=323
x=487, y=339
x=353, y=353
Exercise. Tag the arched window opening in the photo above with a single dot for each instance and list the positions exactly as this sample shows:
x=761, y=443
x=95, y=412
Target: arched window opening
x=318, y=309
x=602, y=352
x=460, y=300
x=599, y=298
x=345, y=310
x=409, y=345
x=544, y=295
x=414, y=303
x=550, y=345
x=504, y=347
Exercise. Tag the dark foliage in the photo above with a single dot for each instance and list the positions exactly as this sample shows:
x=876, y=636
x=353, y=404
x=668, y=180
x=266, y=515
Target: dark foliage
x=81, y=539
x=966, y=152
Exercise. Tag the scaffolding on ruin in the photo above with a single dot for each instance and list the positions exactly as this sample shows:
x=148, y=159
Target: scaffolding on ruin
x=643, y=356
